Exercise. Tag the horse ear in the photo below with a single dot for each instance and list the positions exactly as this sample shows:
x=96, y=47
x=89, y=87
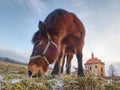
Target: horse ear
x=41, y=25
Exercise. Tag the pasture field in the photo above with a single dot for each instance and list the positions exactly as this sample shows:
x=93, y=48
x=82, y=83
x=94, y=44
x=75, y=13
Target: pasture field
x=14, y=77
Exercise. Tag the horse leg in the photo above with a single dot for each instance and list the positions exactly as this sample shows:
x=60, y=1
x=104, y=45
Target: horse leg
x=80, y=67
x=58, y=64
x=68, y=63
x=63, y=62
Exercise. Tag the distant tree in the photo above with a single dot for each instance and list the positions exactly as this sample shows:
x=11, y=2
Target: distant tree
x=112, y=71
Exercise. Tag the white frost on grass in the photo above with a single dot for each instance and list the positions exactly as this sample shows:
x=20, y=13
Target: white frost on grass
x=15, y=80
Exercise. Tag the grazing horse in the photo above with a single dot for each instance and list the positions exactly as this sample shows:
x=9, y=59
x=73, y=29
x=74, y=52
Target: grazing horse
x=61, y=33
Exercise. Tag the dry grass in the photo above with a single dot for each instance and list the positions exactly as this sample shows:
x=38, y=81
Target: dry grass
x=14, y=77
x=6, y=67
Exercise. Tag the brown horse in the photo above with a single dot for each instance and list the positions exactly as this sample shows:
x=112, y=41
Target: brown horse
x=61, y=32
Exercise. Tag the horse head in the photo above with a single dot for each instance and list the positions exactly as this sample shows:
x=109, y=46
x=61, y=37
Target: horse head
x=43, y=51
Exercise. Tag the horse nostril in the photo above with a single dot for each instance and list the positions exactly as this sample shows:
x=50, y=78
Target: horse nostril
x=29, y=73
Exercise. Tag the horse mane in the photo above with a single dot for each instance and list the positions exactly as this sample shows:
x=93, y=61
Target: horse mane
x=35, y=37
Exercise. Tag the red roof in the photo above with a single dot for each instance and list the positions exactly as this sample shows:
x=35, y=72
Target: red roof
x=93, y=60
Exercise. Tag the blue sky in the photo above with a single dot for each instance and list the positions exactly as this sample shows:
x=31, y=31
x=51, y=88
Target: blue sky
x=101, y=18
